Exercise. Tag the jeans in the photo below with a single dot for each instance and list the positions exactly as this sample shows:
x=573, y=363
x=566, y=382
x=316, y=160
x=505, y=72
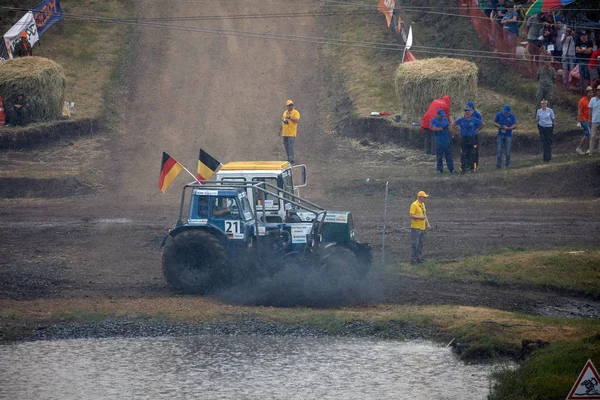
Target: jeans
x=468, y=156
x=417, y=236
x=585, y=125
x=568, y=63
x=442, y=150
x=288, y=144
x=546, y=134
x=506, y=143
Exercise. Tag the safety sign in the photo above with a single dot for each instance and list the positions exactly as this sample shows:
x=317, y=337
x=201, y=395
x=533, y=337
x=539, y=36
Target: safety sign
x=587, y=385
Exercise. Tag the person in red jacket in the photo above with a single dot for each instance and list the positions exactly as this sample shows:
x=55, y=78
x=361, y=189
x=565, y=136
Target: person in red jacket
x=444, y=104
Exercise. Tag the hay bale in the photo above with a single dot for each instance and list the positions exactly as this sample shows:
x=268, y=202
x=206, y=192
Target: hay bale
x=41, y=80
x=419, y=82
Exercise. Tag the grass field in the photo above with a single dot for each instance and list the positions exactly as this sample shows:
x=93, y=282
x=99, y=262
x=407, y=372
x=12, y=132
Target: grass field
x=572, y=270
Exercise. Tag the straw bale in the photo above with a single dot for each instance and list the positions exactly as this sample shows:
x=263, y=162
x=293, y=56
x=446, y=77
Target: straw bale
x=40, y=80
x=419, y=82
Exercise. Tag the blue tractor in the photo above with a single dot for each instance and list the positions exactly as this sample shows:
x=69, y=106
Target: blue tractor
x=221, y=240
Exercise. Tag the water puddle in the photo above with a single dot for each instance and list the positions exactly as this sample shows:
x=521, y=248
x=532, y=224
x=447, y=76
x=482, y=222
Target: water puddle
x=239, y=367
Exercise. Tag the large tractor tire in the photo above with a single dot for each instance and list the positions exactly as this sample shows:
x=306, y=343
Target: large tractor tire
x=338, y=262
x=195, y=262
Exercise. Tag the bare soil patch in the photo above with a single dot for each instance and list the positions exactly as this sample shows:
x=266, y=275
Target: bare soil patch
x=226, y=94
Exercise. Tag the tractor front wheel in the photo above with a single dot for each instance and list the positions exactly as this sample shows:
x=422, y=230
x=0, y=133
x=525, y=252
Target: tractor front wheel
x=195, y=262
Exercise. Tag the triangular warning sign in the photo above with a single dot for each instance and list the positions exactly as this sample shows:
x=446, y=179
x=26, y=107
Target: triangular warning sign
x=587, y=385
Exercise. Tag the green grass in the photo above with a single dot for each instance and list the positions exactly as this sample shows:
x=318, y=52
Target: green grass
x=549, y=373
x=88, y=52
x=558, y=269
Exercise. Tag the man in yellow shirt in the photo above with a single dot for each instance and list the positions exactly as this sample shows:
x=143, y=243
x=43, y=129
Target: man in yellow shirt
x=418, y=224
x=289, y=127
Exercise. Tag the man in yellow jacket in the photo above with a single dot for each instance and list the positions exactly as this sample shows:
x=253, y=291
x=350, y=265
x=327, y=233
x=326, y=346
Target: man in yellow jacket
x=418, y=224
x=289, y=128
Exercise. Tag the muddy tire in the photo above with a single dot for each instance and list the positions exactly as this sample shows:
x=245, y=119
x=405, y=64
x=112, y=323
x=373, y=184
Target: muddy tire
x=195, y=262
x=339, y=262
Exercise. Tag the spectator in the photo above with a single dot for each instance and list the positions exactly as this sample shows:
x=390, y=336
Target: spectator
x=490, y=7
x=546, y=76
x=560, y=31
x=477, y=115
x=506, y=122
x=595, y=119
x=547, y=39
x=510, y=20
x=22, y=47
x=583, y=50
x=444, y=104
x=545, y=121
x=532, y=27
x=583, y=116
x=568, y=54
x=20, y=112
x=594, y=64
x=469, y=130
x=439, y=126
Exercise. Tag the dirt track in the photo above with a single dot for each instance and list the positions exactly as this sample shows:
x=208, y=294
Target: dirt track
x=225, y=94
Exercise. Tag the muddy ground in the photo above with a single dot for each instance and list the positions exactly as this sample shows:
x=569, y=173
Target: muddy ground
x=98, y=235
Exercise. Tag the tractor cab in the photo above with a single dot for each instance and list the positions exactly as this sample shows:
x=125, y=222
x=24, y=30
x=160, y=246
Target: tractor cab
x=279, y=174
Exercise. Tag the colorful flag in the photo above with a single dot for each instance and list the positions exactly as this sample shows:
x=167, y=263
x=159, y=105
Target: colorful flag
x=169, y=169
x=387, y=8
x=207, y=165
x=541, y=6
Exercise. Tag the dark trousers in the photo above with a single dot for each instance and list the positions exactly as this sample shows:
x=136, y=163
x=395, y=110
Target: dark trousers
x=442, y=150
x=469, y=153
x=546, y=134
x=19, y=116
x=429, y=142
x=417, y=236
x=288, y=144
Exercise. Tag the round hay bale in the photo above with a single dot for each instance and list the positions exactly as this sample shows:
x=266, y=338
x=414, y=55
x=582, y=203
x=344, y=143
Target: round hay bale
x=419, y=82
x=40, y=80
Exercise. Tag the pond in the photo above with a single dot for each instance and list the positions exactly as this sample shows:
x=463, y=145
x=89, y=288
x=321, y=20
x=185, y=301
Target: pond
x=239, y=367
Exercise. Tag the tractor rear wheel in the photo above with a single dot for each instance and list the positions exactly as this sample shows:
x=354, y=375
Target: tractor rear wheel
x=338, y=262
x=195, y=262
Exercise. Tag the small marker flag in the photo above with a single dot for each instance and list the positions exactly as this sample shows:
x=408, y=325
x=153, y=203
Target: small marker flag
x=169, y=169
x=207, y=165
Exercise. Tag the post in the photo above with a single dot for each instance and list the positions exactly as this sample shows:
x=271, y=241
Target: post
x=385, y=203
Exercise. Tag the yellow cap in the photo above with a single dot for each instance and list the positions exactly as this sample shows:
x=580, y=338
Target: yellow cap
x=289, y=103
x=422, y=194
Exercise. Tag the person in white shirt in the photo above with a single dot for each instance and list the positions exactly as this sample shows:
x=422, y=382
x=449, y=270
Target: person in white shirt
x=545, y=121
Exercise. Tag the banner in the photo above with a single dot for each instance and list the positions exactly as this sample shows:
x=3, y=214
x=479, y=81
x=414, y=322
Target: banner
x=25, y=24
x=387, y=8
x=46, y=14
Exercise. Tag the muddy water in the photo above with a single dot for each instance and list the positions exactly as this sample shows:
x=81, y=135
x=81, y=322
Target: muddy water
x=246, y=367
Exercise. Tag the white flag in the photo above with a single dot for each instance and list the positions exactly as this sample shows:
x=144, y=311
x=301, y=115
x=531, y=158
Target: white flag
x=25, y=24
x=409, y=39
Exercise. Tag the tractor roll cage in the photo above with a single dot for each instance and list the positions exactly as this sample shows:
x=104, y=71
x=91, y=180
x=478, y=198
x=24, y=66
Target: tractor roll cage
x=260, y=188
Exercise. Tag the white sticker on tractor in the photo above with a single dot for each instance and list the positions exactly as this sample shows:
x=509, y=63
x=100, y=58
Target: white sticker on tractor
x=233, y=227
x=335, y=217
x=299, y=232
x=197, y=221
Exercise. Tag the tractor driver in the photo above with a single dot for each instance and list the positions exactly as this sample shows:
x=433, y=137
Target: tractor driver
x=223, y=206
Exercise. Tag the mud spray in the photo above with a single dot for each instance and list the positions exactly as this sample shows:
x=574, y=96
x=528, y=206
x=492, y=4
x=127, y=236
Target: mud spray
x=295, y=286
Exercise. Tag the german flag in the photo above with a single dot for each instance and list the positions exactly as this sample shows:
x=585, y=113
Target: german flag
x=169, y=169
x=207, y=165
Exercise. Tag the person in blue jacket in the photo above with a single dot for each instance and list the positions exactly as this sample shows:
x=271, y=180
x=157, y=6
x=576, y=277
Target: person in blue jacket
x=469, y=131
x=506, y=122
x=439, y=127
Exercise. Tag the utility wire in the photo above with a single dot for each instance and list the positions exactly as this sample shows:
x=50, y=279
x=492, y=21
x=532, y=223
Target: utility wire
x=305, y=39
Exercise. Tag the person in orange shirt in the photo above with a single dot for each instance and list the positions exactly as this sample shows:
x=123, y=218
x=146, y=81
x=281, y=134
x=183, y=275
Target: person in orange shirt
x=289, y=128
x=583, y=115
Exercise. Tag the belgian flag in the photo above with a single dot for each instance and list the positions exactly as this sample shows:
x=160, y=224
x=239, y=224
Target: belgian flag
x=207, y=165
x=169, y=169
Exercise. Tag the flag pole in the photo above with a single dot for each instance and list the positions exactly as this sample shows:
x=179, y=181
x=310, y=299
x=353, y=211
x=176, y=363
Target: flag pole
x=186, y=170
